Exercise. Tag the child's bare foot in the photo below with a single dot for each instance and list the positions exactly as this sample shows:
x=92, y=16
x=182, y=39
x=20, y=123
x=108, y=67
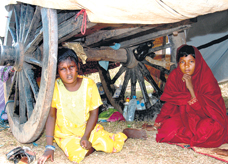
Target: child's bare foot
x=221, y=151
x=135, y=133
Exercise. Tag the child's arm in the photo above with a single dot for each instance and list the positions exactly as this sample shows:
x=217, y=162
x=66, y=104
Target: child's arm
x=188, y=80
x=91, y=123
x=50, y=126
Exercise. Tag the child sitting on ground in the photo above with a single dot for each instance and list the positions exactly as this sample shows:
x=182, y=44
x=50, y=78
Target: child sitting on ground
x=73, y=116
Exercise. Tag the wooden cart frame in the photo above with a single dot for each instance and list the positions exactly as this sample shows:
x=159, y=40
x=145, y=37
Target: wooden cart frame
x=31, y=42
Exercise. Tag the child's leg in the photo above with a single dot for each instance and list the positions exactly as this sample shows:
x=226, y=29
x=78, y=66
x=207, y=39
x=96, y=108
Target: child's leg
x=107, y=142
x=72, y=149
x=135, y=133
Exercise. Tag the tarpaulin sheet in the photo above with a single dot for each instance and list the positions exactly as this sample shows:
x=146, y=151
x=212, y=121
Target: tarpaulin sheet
x=211, y=34
x=138, y=11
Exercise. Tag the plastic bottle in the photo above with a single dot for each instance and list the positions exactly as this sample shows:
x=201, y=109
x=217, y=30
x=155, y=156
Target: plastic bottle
x=117, y=92
x=153, y=99
x=142, y=101
x=131, y=109
x=143, y=106
x=126, y=108
x=138, y=106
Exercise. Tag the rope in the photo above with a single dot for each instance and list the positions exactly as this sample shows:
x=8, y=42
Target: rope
x=83, y=27
x=4, y=124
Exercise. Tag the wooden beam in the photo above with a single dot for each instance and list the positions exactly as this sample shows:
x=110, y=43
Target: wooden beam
x=69, y=28
x=157, y=32
x=106, y=55
x=98, y=38
x=176, y=41
x=159, y=48
x=110, y=34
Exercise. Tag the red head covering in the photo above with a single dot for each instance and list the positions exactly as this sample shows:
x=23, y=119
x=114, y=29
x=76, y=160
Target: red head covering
x=207, y=91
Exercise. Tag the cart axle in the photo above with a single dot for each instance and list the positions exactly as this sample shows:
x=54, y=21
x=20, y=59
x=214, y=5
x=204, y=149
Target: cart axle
x=13, y=55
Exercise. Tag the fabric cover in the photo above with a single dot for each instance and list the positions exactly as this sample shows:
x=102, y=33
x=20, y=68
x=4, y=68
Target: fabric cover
x=211, y=28
x=140, y=12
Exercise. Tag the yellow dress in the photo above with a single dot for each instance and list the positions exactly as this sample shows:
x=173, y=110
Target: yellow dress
x=72, y=115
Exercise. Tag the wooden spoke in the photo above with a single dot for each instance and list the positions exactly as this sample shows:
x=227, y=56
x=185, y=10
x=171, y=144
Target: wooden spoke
x=119, y=73
x=31, y=47
x=9, y=25
x=133, y=82
x=33, y=27
x=28, y=95
x=162, y=69
x=16, y=12
x=22, y=21
x=27, y=21
x=16, y=94
x=125, y=83
x=33, y=61
x=22, y=111
x=146, y=73
x=143, y=88
x=12, y=87
x=35, y=58
x=13, y=34
x=31, y=79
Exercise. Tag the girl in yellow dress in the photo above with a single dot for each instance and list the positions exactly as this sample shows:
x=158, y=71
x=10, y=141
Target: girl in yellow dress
x=74, y=113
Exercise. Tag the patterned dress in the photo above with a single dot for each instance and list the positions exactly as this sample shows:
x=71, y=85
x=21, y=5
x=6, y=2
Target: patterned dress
x=4, y=74
x=72, y=115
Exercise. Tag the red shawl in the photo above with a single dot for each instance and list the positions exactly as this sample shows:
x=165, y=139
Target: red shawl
x=203, y=123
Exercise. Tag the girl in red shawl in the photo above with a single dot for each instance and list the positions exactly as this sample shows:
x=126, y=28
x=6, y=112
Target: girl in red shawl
x=194, y=112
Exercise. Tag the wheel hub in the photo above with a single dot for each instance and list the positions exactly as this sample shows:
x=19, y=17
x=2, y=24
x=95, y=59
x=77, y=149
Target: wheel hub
x=13, y=55
x=131, y=60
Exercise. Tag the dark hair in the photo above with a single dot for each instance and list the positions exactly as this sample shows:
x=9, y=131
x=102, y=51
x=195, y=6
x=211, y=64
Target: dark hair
x=65, y=53
x=185, y=51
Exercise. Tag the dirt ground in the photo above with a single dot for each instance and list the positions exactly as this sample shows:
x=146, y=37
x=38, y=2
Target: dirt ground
x=135, y=151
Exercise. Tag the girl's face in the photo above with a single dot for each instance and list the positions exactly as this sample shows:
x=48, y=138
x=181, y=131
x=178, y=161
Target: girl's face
x=68, y=71
x=187, y=64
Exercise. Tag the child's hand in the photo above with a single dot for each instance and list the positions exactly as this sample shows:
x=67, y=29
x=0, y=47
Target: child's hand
x=85, y=143
x=188, y=80
x=47, y=154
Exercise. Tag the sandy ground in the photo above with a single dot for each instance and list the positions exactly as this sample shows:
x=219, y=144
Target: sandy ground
x=135, y=151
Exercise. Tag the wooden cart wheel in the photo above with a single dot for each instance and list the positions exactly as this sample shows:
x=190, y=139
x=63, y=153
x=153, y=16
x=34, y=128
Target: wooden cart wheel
x=134, y=71
x=31, y=42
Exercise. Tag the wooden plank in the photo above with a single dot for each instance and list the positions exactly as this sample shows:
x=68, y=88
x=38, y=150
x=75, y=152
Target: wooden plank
x=157, y=32
x=159, y=48
x=63, y=15
x=98, y=38
x=176, y=41
x=106, y=55
x=127, y=34
x=69, y=28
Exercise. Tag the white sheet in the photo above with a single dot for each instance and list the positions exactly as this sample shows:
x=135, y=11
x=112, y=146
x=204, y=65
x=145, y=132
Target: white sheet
x=136, y=11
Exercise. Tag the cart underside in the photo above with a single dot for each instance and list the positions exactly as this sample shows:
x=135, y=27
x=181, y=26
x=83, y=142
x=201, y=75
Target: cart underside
x=33, y=36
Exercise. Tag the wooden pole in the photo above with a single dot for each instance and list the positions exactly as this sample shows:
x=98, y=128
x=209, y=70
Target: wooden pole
x=176, y=40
